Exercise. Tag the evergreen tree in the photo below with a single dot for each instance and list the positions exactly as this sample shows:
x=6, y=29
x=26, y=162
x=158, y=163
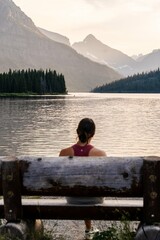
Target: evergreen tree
x=32, y=81
x=138, y=83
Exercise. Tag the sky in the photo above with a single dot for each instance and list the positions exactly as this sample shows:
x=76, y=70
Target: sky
x=131, y=26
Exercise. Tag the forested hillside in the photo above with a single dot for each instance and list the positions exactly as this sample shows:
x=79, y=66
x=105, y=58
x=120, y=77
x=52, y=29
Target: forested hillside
x=23, y=46
x=138, y=83
x=32, y=81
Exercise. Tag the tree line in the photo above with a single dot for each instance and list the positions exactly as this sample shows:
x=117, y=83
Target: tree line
x=32, y=81
x=138, y=83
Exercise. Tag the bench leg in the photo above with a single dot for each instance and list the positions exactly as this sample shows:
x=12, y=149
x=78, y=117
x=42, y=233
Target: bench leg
x=14, y=230
x=22, y=230
x=150, y=232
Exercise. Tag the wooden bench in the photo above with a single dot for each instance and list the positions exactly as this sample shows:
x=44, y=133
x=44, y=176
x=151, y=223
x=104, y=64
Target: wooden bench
x=130, y=186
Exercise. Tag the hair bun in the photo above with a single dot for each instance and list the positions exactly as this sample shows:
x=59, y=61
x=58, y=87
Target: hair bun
x=86, y=129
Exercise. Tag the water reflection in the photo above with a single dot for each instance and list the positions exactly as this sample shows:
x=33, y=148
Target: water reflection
x=126, y=124
x=28, y=124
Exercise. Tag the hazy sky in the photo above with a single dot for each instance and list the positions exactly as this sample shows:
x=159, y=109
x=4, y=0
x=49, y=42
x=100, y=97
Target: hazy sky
x=131, y=26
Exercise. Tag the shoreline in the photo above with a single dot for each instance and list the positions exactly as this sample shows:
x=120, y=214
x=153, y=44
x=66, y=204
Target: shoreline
x=32, y=96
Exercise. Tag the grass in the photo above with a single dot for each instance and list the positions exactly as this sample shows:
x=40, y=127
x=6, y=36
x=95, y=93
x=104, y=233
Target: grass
x=47, y=235
x=44, y=236
x=117, y=231
x=122, y=230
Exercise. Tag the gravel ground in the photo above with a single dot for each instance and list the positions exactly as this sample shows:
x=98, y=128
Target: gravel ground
x=74, y=230
x=66, y=229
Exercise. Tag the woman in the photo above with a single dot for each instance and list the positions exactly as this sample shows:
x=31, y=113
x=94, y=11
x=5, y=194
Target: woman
x=85, y=131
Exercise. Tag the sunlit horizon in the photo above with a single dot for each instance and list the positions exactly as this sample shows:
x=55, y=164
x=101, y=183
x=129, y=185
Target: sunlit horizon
x=129, y=26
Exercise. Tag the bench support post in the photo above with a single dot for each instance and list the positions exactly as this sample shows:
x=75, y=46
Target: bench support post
x=150, y=227
x=11, y=190
x=151, y=196
x=11, y=185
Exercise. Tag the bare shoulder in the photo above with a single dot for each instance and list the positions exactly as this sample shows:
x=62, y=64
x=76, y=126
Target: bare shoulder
x=97, y=152
x=66, y=152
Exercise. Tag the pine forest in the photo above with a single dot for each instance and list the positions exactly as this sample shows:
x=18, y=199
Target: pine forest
x=138, y=83
x=32, y=81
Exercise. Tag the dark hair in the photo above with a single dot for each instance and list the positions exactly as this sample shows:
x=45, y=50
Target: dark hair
x=86, y=129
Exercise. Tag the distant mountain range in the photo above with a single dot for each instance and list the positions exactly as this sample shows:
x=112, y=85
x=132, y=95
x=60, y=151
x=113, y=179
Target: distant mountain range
x=85, y=64
x=23, y=45
x=55, y=36
x=99, y=52
x=149, y=61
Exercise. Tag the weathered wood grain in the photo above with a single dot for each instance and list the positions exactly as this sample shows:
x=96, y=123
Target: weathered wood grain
x=77, y=176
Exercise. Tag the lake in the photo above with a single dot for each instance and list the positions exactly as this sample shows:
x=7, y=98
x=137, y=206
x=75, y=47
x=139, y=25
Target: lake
x=126, y=124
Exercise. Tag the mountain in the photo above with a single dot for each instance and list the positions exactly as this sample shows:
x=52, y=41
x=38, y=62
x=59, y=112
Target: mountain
x=149, y=61
x=23, y=45
x=137, y=57
x=99, y=52
x=55, y=36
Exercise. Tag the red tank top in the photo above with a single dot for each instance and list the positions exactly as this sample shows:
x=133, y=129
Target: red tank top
x=82, y=151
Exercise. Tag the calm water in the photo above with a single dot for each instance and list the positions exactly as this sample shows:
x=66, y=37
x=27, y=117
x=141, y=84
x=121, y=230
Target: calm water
x=127, y=124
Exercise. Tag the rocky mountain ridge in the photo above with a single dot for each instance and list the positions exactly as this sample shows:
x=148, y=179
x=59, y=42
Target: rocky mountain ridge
x=85, y=64
x=23, y=46
x=55, y=36
x=99, y=52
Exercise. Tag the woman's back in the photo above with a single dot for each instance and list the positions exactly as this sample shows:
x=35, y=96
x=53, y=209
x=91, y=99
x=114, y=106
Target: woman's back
x=83, y=148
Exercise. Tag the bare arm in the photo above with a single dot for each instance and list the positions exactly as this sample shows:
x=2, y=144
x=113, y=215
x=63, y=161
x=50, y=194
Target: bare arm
x=66, y=152
x=97, y=152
